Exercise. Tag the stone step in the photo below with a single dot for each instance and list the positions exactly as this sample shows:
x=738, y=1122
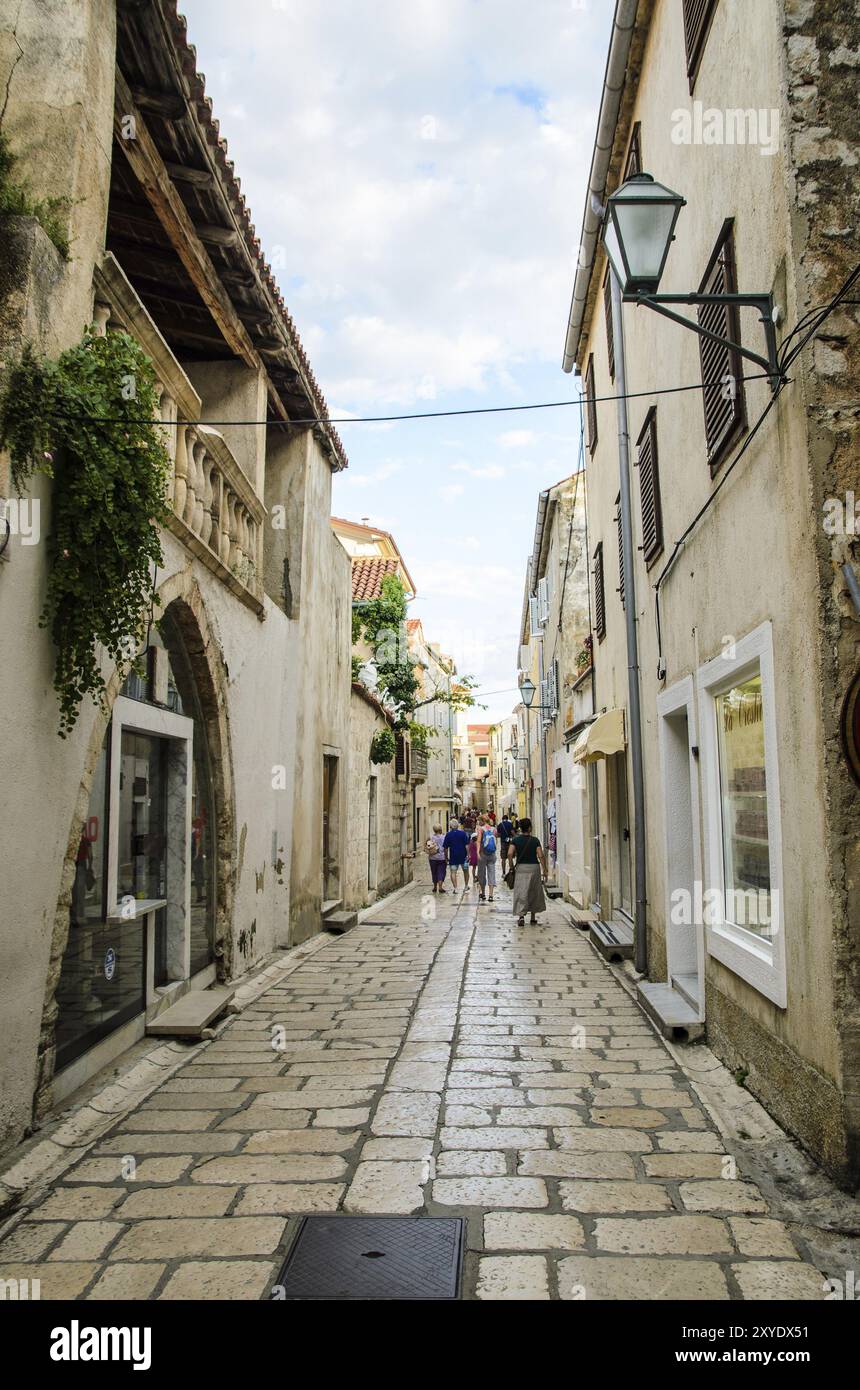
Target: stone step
x=339, y=921
x=688, y=987
x=191, y=1014
x=672, y=1013
x=614, y=940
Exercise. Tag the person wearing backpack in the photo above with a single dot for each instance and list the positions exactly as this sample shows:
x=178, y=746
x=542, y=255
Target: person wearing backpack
x=530, y=875
x=486, y=859
x=504, y=834
x=435, y=848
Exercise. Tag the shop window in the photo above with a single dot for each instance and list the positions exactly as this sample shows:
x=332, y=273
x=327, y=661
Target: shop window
x=142, y=906
x=742, y=897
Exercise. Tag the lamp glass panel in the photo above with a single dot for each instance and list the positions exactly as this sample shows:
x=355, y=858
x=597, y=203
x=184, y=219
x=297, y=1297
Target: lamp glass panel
x=645, y=231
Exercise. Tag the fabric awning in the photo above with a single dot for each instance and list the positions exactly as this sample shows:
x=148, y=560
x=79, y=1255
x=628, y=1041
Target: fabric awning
x=602, y=738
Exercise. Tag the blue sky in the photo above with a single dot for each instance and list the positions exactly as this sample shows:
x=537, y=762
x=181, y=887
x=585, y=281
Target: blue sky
x=417, y=175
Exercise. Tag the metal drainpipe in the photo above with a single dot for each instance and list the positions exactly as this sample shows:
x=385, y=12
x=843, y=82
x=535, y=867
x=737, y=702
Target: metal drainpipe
x=640, y=940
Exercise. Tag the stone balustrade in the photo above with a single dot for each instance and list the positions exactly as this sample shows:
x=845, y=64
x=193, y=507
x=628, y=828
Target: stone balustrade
x=215, y=511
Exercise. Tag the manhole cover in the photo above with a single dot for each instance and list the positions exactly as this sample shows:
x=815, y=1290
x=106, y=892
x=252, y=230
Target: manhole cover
x=366, y=1257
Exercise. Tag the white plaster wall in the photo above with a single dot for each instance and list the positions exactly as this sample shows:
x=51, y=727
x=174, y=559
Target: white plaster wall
x=752, y=558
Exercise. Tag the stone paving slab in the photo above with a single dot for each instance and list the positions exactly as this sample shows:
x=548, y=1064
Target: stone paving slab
x=456, y=1066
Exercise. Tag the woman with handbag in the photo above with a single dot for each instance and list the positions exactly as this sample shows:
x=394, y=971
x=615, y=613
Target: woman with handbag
x=527, y=852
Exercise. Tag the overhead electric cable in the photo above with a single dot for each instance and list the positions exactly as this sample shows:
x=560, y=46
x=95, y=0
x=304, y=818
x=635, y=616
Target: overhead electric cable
x=421, y=415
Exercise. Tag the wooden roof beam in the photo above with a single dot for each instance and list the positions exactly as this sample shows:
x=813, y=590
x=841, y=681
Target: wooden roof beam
x=150, y=171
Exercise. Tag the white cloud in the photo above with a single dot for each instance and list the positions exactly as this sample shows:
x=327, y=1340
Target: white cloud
x=451, y=491
x=517, y=439
x=427, y=158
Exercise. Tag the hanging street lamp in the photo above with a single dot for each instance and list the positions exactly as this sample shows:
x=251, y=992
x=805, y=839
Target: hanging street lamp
x=638, y=231
x=527, y=692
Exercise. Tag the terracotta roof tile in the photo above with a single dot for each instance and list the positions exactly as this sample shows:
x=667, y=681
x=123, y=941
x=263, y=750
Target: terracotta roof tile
x=368, y=573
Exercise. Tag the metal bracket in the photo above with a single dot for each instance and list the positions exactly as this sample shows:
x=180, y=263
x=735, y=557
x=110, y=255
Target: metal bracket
x=762, y=302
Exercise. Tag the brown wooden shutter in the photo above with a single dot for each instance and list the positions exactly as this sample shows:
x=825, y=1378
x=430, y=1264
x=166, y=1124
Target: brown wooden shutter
x=607, y=309
x=620, y=549
x=599, y=594
x=649, y=489
x=590, y=406
x=634, y=154
x=697, y=21
x=722, y=369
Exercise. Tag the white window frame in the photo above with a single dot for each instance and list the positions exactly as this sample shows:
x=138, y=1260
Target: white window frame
x=760, y=961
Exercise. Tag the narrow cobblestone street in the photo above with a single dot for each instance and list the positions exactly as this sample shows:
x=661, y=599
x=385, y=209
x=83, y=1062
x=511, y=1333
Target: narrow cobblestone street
x=455, y=1066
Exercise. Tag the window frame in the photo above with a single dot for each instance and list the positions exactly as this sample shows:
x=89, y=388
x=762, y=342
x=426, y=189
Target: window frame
x=599, y=593
x=696, y=39
x=652, y=552
x=620, y=534
x=759, y=961
x=717, y=449
x=590, y=406
x=610, y=333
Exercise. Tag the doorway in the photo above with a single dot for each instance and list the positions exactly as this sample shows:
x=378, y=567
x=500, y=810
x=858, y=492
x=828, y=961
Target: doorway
x=684, y=927
x=622, y=892
x=330, y=827
x=372, y=833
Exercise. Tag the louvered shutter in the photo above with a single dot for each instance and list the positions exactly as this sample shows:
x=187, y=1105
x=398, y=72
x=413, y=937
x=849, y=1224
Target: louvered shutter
x=722, y=371
x=599, y=594
x=543, y=600
x=697, y=19
x=649, y=489
x=534, y=617
x=590, y=406
x=607, y=309
x=620, y=549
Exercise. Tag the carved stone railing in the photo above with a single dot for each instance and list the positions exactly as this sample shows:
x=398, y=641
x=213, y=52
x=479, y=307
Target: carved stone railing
x=215, y=511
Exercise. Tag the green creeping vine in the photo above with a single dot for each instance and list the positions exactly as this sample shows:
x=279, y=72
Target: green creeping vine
x=88, y=420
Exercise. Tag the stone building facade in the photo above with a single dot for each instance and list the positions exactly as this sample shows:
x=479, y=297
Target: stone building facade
x=194, y=825
x=556, y=608
x=749, y=112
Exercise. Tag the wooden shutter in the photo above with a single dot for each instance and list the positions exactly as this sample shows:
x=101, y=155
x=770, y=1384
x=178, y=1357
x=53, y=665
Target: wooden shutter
x=599, y=594
x=722, y=369
x=697, y=21
x=620, y=549
x=607, y=309
x=649, y=489
x=590, y=406
x=634, y=154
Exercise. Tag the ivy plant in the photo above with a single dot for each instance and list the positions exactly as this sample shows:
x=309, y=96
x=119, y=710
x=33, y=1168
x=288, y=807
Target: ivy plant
x=88, y=419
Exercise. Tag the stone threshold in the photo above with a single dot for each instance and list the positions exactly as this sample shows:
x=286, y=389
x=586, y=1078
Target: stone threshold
x=36, y=1164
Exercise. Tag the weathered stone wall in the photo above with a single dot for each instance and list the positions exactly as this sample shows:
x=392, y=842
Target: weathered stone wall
x=322, y=681
x=364, y=722
x=822, y=112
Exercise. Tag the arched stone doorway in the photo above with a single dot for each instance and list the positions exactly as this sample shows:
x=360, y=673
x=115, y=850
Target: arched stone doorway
x=147, y=896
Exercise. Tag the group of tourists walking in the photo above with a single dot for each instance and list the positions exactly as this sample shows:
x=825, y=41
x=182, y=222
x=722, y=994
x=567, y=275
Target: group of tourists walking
x=475, y=846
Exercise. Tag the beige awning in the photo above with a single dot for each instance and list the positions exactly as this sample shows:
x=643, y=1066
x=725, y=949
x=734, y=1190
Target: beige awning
x=602, y=738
